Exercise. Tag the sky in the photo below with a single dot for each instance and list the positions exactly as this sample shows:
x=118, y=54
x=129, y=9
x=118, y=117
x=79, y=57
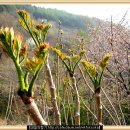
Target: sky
x=101, y=11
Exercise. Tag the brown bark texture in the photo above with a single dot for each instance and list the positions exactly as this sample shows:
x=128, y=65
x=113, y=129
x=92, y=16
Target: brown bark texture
x=77, y=101
x=98, y=106
x=33, y=111
x=53, y=95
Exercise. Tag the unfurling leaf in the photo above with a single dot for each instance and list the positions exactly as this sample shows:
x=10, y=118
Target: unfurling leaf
x=90, y=68
x=60, y=54
x=104, y=61
x=10, y=43
x=6, y=35
x=81, y=53
x=42, y=50
x=40, y=27
x=25, y=19
x=31, y=64
x=75, y=58
x=17, y=43
x=23, y=51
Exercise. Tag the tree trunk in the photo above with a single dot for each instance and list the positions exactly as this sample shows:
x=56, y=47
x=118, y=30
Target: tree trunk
x=33, y=111
x=31, y=108
x=53, y=94
x=77, y=102
x=99, y=106
x=35, y=114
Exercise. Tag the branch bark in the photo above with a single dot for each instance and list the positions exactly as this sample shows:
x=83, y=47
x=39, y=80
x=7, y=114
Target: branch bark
x=99, y=106
x=53, y=94
x=77, y=101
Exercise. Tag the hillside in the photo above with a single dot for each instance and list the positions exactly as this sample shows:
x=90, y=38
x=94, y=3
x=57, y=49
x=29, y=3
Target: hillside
x=71, y=25
x=67, y=19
